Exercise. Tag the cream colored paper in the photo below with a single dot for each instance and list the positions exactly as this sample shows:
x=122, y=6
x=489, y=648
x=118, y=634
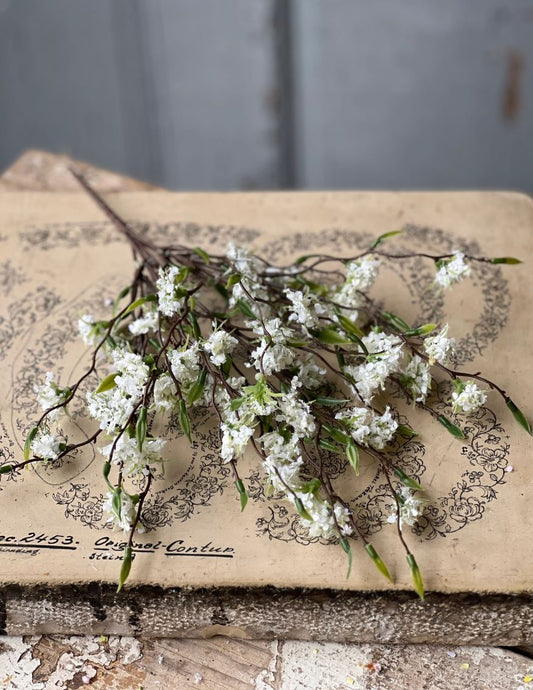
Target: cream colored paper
x=59, y=257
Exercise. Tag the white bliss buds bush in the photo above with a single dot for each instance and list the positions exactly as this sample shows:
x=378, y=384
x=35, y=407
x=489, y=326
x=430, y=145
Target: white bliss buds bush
x=293, y=362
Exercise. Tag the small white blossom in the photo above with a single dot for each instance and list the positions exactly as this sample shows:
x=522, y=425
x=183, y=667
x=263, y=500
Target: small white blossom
x=411, y=508
x=439, y=348
x=385, y=359
x=234, y=440
x=111, y=408
x=322, y=523
x=165, y=393
x=46, y=446
x=417, y=378
x=368, y=428
x=269, y=358
x=220, y=344
x=452, y=270
x=360, y=275
x=185, y=364
x=245, y=263
x=88, y=330
x=297, y=414
x=49, y=395
x=167, y=300
x=126, y=518
x=469, y=399
x=134, y=460
x=144, y=324
x=304, y=308
x=132, y=372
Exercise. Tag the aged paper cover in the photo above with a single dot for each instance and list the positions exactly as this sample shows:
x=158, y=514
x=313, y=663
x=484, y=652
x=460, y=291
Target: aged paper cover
x=60, y=257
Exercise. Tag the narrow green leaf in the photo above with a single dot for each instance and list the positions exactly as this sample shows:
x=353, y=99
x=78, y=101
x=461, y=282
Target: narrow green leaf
x=312, y=486
x=406, y=431
x=140, y=427
x=105, y=471
x=353, y=455
x=245, y=309
x=195, y=325
x=243, y=494
x=203, y=255
x=138, y=303
x=330, y=402
x=449, y=426
x=125, y=568
x=505, y=260
x=116, y=502
x=6, y=469
x=348, y=551
x=107, y=384
x=336, y=434
x=301, y=259
x=349, y=326
x=519, y=416
x=198, y=387
x=385, y=235
x=233, y=280
x=395, y=321
x=221, y=290
x=29, y=441
x=421, y=330
x=302, y=512
x=329, y=336
x=407, y=480
x=416, y=575
x=341, y=360
x=327, y=445
x=378, y=562
x=184, y=420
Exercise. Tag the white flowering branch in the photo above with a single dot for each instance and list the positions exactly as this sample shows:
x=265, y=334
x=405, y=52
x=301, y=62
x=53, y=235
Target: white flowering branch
x=294, y=361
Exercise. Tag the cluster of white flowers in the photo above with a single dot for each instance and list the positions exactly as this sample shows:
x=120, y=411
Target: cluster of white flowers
x=385, y=359
x=220, y=344
x=185, y=364
x=169, y=302
x=234, y=440
x=417, y=377
x=126, y=452
x=124, y=517
x=49, y=395
x=453, y=270
x=360, y=275
x=89, y=330
x=304, y=308
x=132, y=372
x=294, y=412
x=46, y=446
x=439, y=348
x=368, y=428
x=283, y=461
x=322, y=523
x=145, y=324
x=469, y=398
x=411, y=508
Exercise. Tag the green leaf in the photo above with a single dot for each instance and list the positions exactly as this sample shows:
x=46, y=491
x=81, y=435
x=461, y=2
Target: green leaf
x=416, y=575
x=302, y=512
x=395, y=321
x=125, y=568
x=329, y=336
x=233, y=280
x=519, y=416
x=105, y=471
x=203, y=255
x=245, y=309
x=195, y=325
x=6, y=469
x=107, y=384
x=184, y=420
x=407, y=480
x=505, y=260
x=327, y=445
x=330, y=402
x=421, y=330
x=349, y=326
x=378, y=562
x=116, y=502
x=29, y=441
x=385, y=235
x=198, y=387
x=353, y=455
x=242, y=493
x=138, y=303
x=449, y=426
x=301, y=259
x=311, y=487
x=348, y=551
x=336, y=434
x=406, y=431
x=140, y=427
x=237, y=403
x=221, y=290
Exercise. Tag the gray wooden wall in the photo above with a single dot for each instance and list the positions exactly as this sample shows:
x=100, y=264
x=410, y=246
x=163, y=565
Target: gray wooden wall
x=246, y=94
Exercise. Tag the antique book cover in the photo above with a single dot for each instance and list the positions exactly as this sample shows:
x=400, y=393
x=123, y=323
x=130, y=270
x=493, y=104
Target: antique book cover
x=60, y=257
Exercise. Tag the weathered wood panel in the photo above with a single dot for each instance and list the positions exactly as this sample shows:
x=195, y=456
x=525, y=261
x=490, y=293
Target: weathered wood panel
x=414, y=94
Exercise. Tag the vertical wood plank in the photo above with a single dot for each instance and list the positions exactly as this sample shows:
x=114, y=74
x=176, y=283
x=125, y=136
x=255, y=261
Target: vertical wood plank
x=414, y=94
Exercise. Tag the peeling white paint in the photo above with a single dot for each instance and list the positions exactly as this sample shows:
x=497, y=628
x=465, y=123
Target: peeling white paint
x=17, y=663
x=267, y=676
